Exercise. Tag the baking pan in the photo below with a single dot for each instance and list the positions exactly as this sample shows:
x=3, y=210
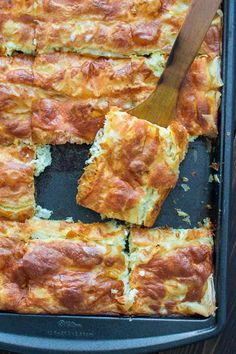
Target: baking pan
x=56, y=190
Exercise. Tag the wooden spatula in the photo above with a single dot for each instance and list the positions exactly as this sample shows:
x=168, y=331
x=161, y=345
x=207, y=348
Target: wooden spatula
x=160, y=107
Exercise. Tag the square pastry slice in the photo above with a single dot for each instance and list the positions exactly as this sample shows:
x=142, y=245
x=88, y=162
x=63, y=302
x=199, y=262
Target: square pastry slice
x=74, y=269
x=17, y=182
x=172, y=271
x=13, y=236
x=17, y=34
x=133, y=166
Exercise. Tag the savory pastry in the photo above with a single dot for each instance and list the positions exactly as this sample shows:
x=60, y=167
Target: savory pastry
x=117, y=28
x=16, y=34
x=171, y=271
x=13, y=236
x=15, y=113
x=69, y=105
x=119, y=38
x=17, y=95
x=133, y=166
x=199, y=97
x=85, y=77
x=16, y=182
x=64, y=268
x=91, y=9
x=17, y=8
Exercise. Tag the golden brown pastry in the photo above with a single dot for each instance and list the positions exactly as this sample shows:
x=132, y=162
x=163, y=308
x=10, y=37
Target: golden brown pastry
x=62, y=267
x=12, y=240
x=16, y=182
x=125, y=10
x=133, y=166
x=69, y=105
x=119, y=39
x=17, y=34
x=172, y=271
x=57, y=267
x=110, y=28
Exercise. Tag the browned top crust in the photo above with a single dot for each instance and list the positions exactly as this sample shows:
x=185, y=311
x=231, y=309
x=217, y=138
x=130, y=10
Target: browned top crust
x=110, y=28
x=39, y=97
x=171, y=271
x=134, y=164
x=65, y=268
x=58, y=267
x=16, y=182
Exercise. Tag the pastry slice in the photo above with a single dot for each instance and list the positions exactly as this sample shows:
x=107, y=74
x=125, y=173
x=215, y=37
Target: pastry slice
x=133, y=166
x=109, y=29
x=17, y=8
x=172, y=271
x=95, y=9
x=70, y=105
x=17, y=182
x=16, y=34
x=13, y=236
x=75, y=269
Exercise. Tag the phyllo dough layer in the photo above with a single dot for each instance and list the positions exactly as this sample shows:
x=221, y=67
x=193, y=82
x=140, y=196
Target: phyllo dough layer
x=17, y=34
x=133, y=166
x=65, y=268
x=13, y=236
x=17, y=182
x=171, y=271
x=108, y=28
x=60, y=98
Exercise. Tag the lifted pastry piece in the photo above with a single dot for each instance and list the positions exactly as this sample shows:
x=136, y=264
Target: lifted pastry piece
x=133, y=166
x=63, y=268
x=17, y=182
x=172, y=271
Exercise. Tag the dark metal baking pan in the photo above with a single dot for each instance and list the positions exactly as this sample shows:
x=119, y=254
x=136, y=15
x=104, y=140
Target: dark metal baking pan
x=56, y=190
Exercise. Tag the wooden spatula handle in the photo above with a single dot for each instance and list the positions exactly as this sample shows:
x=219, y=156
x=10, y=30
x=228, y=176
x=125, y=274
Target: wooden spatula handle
x=189, y=40
x=160, y=107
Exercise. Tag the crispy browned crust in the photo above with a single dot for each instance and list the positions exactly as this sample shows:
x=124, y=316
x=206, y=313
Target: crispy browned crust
x=57, y=267
x=16, y=182
x=171, y=271
x=132, y=168
x=199, y=98
x=17, y=34
x=63, y=268
x=117, y=28
x=66, y=105
x=67, y=9
x=39, y=97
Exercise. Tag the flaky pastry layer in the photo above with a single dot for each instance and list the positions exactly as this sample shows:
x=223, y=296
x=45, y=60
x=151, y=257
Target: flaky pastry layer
x=133, y=166
x=17, y=182
x=58, y=267
x=43, y=102
x=117, y=28
x=172, y=271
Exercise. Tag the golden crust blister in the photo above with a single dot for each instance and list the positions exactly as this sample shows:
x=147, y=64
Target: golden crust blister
x=172, y=272
x=133, y=166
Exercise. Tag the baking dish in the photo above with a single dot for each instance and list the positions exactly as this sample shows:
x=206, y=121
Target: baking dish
x=59, y=334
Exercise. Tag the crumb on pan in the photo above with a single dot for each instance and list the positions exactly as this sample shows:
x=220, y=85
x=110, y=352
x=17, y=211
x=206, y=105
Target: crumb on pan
x=42, y=213
x=185, y=187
